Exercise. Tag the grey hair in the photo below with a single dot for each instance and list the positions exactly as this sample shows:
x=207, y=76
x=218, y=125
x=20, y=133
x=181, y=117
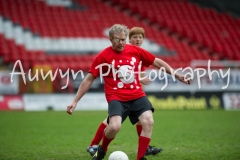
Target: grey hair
x=118, y=28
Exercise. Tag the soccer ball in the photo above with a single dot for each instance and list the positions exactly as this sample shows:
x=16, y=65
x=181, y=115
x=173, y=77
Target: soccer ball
x=118, y=155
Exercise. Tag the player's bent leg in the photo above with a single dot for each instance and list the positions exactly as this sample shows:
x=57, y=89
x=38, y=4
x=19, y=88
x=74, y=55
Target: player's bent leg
x=112, y=129
x=146, y=119
x=151, y=150
x=92, y=148
x=114, y=126
x=147, y=122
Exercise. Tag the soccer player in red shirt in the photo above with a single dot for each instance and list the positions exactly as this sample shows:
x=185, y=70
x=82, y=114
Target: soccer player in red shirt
x=136, y=36
x=119, y=66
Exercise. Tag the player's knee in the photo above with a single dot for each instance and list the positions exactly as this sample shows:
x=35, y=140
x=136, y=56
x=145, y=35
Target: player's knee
x=115, y=127
x=148, y=120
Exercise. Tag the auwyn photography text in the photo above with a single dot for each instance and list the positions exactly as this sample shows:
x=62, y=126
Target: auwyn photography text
x=189, y=75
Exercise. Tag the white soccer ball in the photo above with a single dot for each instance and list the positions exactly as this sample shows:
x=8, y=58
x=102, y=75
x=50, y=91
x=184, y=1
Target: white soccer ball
x=118, y=155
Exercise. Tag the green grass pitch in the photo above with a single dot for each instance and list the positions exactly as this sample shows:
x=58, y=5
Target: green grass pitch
x=183, y=135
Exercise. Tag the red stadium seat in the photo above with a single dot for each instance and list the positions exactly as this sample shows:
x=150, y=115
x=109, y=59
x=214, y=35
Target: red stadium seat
x=192, y=32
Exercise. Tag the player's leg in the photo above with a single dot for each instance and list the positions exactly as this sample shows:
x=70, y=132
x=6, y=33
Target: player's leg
x=151, y=150
x=146, y=120
x=139, y=128
x=110, y=133
x=92, y=148
x=142, y=111
x=99, y=133
x=115, y=111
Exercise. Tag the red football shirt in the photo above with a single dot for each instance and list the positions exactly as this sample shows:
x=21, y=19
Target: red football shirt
x=120, y=71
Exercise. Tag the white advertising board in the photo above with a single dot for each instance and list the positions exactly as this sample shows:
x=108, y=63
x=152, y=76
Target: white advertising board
x=231, y=101
x=219, y=80
x=6, y=86
x=59, y=102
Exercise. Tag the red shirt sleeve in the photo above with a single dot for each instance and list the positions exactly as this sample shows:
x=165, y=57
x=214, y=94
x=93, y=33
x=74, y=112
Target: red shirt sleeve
x=100, y=65
x=146, y=57
x=96, y=63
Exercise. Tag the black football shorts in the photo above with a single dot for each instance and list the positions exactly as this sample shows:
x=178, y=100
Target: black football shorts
x=133, y=109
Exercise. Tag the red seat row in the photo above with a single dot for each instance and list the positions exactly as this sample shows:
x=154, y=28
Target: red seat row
x=208, y=34
x=203, y=26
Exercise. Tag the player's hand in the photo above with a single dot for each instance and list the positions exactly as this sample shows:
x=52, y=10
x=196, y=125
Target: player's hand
x=145, y=81
x=71, y=108
x=183, y=79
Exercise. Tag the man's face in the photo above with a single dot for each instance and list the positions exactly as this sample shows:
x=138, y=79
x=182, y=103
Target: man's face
x=136, y=40
x=118, y=41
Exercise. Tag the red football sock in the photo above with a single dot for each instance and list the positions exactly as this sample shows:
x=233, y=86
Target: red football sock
x=99, y=135
x=139, y=129
x=143, y=143
x=106, y=142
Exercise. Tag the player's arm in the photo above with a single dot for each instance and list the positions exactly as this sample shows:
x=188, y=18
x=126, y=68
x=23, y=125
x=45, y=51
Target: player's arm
x=160, y=63
x=83, y=88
